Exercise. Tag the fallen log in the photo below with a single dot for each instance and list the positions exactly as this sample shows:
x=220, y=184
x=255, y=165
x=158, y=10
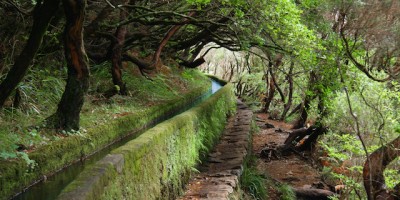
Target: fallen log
x=297, y=138
x=297, y=135
x=312, y=193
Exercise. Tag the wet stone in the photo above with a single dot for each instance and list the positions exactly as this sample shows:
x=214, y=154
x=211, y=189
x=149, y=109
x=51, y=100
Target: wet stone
x=221, y=172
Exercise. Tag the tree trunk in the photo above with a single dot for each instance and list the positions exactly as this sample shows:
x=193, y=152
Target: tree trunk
x=270, y=96
x=374, y=181
x=322, y=111
x=196, y=51
x=116, y=57
x=288, y=104
x=303, y=114
x=306, y=105
x=298, y=134
x=276, y=85
x=271, y=91
x=17, y=99
x=295, y=110
x=67, y=115
x=43, y=14
x=204, y=36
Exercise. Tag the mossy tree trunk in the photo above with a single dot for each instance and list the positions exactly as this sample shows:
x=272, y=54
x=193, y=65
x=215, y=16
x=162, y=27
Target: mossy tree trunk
x=67, y=115
x=43, y=13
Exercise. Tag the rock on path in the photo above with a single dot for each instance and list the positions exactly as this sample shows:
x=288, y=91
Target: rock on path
x=219, y=175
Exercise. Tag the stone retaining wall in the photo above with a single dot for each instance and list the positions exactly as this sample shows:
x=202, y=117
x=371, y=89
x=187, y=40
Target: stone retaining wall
x=220, y=175
x=157, y=164
x=15, y=175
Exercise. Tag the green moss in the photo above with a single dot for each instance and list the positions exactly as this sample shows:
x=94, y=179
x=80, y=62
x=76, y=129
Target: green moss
x=16, y=175
x=99, y=174
x=159, y=162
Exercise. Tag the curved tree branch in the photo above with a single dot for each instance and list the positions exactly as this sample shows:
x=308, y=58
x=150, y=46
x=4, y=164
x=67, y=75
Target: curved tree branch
x=360, y=66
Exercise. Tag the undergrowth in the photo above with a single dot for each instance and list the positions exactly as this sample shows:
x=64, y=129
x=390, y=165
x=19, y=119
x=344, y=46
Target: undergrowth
x=258, y=185
x=251, y=181
x=286, y=192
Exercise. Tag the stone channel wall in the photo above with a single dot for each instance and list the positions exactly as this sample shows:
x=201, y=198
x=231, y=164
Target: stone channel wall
x=157, y=164
x=16, y=175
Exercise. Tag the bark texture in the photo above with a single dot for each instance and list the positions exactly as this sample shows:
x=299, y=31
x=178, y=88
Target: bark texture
x=43, y=13
x=270, y=96
x=313, y=194
x=116, y=58
x=374, y=181
x=288, y=104
x=67, y=115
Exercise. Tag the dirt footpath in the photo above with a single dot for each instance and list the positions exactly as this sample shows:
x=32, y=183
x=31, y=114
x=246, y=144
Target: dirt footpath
x=295, y=170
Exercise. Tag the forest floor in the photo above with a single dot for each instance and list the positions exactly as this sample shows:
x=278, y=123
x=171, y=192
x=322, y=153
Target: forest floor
x=295, y=170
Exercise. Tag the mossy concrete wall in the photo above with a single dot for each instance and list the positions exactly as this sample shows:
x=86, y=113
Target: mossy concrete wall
x=157, y=164
x=16, y=175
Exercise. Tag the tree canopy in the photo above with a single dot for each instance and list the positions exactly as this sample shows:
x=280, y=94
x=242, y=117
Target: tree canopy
x=335, y=63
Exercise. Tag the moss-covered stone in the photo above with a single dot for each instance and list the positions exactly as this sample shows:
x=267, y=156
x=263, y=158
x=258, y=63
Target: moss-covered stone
x=158, y=162
x=15, y=175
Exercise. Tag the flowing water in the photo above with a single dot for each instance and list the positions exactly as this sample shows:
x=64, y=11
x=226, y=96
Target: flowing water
x=215, y=86
x=53, y=185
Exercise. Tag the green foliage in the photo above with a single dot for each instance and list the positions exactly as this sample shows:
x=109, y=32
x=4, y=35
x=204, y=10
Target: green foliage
x=286, y=192
x=285, y=24
x=392, y=175
x=256, y=83
x=188, y=74
x=375, y=106
x=40, y=92
x=198, y=2
x=346, y=146
x=252, y=181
